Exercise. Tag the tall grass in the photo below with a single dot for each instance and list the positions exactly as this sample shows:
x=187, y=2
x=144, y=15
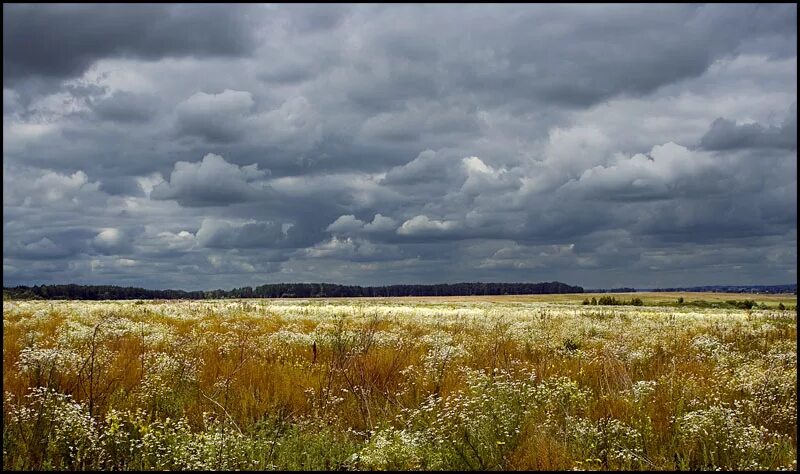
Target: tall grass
x=321, y=385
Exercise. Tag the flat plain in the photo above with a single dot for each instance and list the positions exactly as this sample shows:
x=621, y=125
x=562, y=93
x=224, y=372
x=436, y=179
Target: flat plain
x=441, y=383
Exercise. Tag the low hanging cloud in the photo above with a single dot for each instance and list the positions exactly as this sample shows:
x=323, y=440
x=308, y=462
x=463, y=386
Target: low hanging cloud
x=354, y=249
x=345, y=225
x=50, y=189
x=425, y=226
x=348, y=224
x=178, y=242
x=380, y=224
x=126, y=107
x=44, y=248
x=666, y=172
x=428, y=166
x=484, y=179
x=517, y=256
x=215, y=117
x=211, y=182
x=294, y=124
x=112, y=241
x=214, y=233
x=726, y=134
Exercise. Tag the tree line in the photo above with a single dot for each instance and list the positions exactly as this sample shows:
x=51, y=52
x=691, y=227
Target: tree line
x=612, y=301
x=286, y=290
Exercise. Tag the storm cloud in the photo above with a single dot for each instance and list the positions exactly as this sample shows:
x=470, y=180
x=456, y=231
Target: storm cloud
x=60, y=41
x=210, y=146
x=728, y=135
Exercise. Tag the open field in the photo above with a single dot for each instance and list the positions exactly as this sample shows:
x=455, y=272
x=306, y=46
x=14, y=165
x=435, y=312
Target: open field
x=654, y=298
x=506, y=382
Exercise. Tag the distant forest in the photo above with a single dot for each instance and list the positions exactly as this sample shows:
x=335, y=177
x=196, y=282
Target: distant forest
x=761, y=289
x=285, y=290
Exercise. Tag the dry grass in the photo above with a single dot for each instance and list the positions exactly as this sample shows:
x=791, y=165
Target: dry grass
x=653, y=298
x=422, y=383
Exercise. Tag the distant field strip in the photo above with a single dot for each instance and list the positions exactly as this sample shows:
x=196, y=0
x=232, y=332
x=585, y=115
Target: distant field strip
x=450, y=383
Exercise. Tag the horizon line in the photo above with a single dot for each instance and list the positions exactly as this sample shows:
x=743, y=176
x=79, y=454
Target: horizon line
x=5, y=286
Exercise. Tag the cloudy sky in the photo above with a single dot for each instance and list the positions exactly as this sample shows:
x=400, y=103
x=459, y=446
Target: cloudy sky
x=200, y=146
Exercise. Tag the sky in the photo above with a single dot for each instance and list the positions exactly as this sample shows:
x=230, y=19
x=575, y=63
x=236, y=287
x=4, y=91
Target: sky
x=207, y=146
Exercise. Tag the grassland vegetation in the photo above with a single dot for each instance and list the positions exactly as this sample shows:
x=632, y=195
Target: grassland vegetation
x=461, y=384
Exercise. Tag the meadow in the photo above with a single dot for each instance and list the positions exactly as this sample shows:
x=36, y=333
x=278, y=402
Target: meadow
x=483, y=383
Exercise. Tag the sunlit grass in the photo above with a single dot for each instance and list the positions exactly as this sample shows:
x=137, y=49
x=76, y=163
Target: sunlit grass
x=426, y=383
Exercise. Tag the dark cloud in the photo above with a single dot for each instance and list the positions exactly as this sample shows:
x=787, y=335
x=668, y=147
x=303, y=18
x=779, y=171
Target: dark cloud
x=42, y=249
x=426, y=167
x=222, y=234
x=214, y=117
x=728, y=135
x=48, y=244
x=317, y=17
x=126, y=107
x=201, y=146
x=61, y=41
x=122, y=185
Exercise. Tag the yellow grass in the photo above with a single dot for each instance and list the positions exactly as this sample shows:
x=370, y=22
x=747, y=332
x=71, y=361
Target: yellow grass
x=504, y=382
x=648, y=297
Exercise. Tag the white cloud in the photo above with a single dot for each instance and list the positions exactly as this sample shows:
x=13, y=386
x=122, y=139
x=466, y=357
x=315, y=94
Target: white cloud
x=50, y=189
x=381, y=223
x=345, y=224
x=111, y=241
x=147, y=183
x=350, y=248
x=181, y=241
x=423, y=225
x=212, y=181
x=349, y=225
x=668, y=171
x=482, y=178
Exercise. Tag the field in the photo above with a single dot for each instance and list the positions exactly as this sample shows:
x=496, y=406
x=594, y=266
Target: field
x=654, y=298
x=482, y=383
